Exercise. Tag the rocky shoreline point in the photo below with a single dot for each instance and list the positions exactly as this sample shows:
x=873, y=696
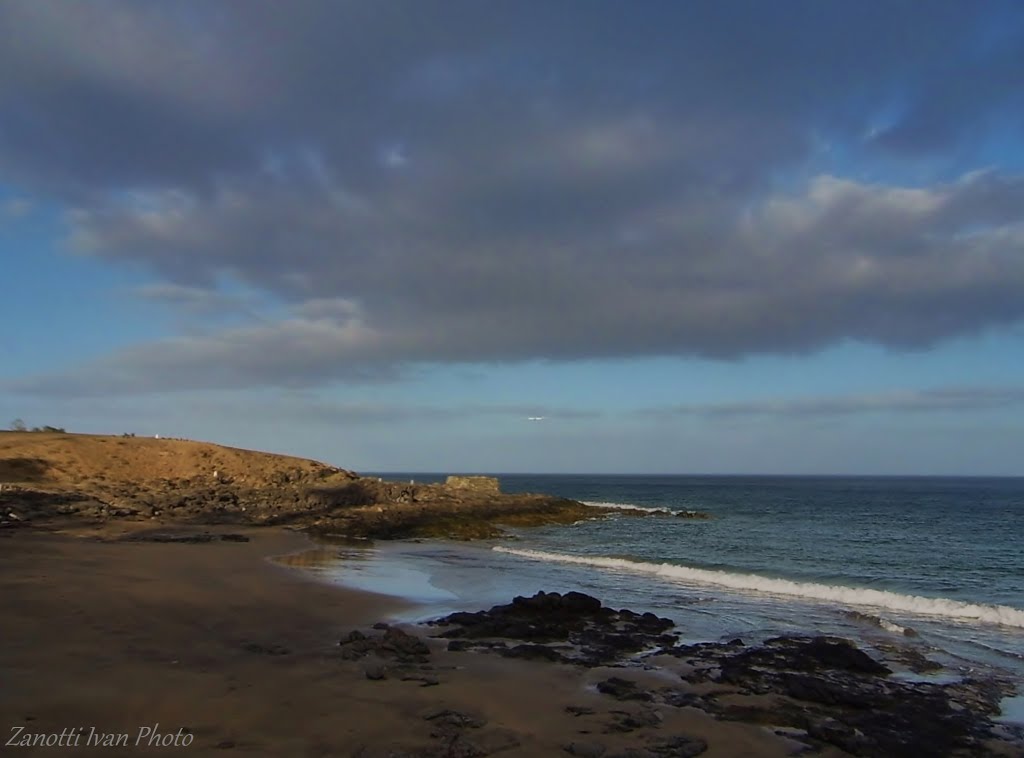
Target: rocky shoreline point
x=818, y=692
x=50, y=480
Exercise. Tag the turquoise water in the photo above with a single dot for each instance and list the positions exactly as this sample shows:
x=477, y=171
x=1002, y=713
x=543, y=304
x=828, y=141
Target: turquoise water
x=943, y=557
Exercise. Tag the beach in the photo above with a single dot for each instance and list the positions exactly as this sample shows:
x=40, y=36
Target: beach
x=104, y=636
x=173, y=595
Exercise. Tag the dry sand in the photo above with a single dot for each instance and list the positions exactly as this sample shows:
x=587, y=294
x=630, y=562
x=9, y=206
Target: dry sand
x=118, y=636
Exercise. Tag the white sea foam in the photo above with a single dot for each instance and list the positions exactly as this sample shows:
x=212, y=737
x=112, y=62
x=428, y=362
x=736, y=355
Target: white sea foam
x=627, y=507
x=891, y=627
x=880, y=622
x=927, y=606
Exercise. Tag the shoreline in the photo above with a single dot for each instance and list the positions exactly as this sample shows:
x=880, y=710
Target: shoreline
x=216, y=639
x=201, y=632
x=906, y=672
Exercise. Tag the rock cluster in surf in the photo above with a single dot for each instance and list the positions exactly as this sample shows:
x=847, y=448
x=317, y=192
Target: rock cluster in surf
x=822, y=691
x=573, y=627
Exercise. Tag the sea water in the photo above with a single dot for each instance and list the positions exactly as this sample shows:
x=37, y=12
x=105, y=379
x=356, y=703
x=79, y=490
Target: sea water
x=932, y=563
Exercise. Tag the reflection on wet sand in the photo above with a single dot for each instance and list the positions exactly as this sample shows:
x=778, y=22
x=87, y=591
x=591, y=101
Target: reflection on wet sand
x=359, y=565
x=323, y=558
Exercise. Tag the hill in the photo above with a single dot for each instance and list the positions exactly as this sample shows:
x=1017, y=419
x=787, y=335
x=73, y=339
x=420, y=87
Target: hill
x=99, y=463
x=50, y=480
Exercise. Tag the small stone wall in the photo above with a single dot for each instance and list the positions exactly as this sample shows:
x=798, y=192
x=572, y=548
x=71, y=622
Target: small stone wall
x=487, y=485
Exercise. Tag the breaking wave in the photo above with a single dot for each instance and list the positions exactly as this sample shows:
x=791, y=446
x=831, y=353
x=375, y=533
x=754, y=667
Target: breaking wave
x=881, y=623
x=926, y=606
x=628, y=507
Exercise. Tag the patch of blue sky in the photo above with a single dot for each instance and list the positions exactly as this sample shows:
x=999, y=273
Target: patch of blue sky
x=994, y=359
x=79, y=305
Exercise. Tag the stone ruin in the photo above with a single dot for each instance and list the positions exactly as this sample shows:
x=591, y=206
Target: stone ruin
x=482, y=485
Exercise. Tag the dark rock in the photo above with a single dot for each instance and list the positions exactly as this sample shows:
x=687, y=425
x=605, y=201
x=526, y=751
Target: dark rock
x=577, y=602
x=679, y=746
x=815, y=654
x=458, y=747
x=623, y=689
x=798, y=654
x=623, y=642
x=393, y=643
x=913, y=659
x=579, y=710
x=839, y=734
x=681, y=699
x=375, y=671
x=597, y=634
x=404, y=646
x=843, y=655
x=628, y=721
x=466, y=619
x=461, y=719
x=843, y=697
x=448, y=723
x=652, y=624
x=532, y=652
x=825, y=689
x=818, y=689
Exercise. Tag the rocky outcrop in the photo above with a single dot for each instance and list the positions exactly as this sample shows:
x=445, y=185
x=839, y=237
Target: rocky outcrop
x=62, y=479
x=822, y=691
x=832, y=693
x=573, y=627
x=393, y=643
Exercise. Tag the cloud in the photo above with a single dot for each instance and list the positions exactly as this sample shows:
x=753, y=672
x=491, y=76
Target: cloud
x=15, y=209
x=197, y=301
x=412, y=183
x=375, y=413
x=299, y=406
x=293, y=353
x=953, y=399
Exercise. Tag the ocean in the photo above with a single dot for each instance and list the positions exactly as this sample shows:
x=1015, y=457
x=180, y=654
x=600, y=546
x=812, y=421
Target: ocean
x=932, y=563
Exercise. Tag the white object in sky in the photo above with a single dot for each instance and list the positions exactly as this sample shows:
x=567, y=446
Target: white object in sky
x=535, y=418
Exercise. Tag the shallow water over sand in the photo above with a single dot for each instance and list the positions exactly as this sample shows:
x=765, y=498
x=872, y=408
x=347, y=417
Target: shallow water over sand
x=933, y=565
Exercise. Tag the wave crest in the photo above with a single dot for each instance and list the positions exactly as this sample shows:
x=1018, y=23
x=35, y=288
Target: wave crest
x=926, y=606
x=627, y=507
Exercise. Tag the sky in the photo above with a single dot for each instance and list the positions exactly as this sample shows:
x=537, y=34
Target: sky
x=542, y=236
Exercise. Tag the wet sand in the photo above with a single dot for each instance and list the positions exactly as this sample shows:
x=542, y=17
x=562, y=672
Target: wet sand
x=219, y=642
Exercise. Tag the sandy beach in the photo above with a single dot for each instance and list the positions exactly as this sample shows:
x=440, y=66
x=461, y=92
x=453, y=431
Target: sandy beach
x=215, y=645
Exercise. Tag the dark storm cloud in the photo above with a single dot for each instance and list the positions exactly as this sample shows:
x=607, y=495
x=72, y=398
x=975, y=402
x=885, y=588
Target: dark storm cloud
x=427, y=182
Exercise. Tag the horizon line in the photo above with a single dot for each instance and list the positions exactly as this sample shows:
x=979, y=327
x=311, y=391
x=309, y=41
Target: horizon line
x=455, y=472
